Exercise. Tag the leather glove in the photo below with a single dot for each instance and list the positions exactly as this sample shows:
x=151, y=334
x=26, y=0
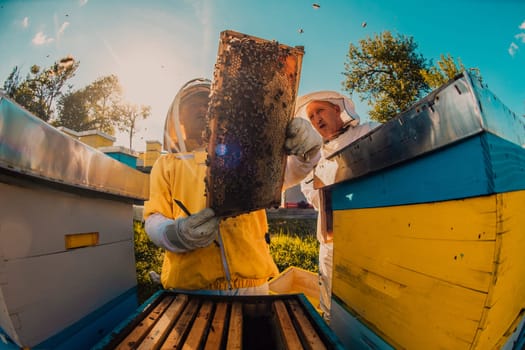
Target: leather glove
x=195, y=231
x=302, y=140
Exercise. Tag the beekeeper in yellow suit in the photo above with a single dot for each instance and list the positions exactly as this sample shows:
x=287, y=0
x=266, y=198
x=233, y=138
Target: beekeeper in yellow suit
x=218, y=256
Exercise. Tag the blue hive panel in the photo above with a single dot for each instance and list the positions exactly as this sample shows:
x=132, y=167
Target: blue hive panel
x=455, y=112
x=481, y=165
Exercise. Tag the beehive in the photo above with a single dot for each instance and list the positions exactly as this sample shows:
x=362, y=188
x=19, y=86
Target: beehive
x=252, y=99
x=429, y=232
x=66, y=214
x=196, y=321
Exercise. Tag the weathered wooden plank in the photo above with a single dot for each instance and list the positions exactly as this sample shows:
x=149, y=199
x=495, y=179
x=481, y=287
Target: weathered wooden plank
x=436, y=257
x=139, y=332
x=174, y=338
x=199, y=326
x=452, y=241
x=193, y=322
x=235, y=327
x=309, y=334
x=288, y=333
x=506, y=296
x=162, y=327
x=214, y=340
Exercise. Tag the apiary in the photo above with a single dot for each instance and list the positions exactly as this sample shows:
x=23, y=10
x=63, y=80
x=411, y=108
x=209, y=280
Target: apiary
x=67, y=266
x=253, y=92
x=197, y=321
x=429, y=232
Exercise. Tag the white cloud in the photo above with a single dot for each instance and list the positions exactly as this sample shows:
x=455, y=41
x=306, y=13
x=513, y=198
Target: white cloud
x=82, y=2
x=25, y=22
x=40, y=39
x=62, y=29
x=512, y=49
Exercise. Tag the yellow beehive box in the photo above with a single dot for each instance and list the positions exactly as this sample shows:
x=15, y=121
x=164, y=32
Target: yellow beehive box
x=295, y=280
x=151, y=155
x=96, y=138
x=153, y=146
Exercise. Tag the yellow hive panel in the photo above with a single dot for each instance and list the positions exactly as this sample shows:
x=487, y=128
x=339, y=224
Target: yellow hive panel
x=153, y=146
x=79, y=240
x=507, y=293
x=435, y=275
x=96, y=141
x=417, y=274
x=297, y=280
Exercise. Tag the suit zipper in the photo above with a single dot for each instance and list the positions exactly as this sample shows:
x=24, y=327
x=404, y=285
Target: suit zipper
x=224, y=261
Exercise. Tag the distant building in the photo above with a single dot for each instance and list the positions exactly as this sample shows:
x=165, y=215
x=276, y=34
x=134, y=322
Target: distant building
x=104, y=143
x=122, y=154
x=146, y=159
x=294, y=198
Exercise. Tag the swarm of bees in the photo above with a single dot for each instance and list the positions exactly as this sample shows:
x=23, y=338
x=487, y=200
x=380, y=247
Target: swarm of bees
x=252, y=98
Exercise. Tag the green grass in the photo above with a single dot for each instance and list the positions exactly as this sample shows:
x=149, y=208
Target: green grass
x=148, y=257
x=293, y=250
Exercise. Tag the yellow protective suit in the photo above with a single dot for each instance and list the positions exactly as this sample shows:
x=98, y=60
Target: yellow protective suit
x=245, y=259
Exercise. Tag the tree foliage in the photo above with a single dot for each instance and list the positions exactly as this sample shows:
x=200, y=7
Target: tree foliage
x=446, y=69
x=39, y=91
x=294, y=250
x=96, y=106
x=148, y=257
x=100, y=106
x=386, y=72
x=130, y=114
x=72, y=112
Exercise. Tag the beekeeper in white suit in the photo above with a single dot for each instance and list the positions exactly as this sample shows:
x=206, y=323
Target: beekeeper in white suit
x=334, y=117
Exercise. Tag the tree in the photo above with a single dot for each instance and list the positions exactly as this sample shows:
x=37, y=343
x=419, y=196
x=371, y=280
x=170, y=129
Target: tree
x=73, y=112
x=100, y=106
x=129, y=115
x=12, y=82
x=103, y=98
x=40, y=89
x=387, y=72
x=96, y=106
x=446, y=69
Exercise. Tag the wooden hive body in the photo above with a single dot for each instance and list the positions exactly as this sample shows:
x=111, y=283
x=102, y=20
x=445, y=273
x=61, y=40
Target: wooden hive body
x=66, y=217
x=428, y=225
x=200, y=321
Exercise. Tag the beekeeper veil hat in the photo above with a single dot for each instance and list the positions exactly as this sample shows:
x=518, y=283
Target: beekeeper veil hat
x=348, y=113
x=174, y=139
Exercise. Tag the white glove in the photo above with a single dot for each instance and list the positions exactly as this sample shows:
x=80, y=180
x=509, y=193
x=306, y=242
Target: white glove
x=195, y=231
x=301, y=139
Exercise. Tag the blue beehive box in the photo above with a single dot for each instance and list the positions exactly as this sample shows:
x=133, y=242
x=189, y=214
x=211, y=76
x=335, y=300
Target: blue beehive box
x=427, y=217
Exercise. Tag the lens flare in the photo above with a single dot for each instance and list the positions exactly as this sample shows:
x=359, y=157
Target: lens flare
x=221, y=150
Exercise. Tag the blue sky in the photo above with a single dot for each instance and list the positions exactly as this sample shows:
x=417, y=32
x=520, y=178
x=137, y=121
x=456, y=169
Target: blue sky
x=156, y=46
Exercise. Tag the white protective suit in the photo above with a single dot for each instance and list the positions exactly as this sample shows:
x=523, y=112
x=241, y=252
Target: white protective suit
x=351, y=131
